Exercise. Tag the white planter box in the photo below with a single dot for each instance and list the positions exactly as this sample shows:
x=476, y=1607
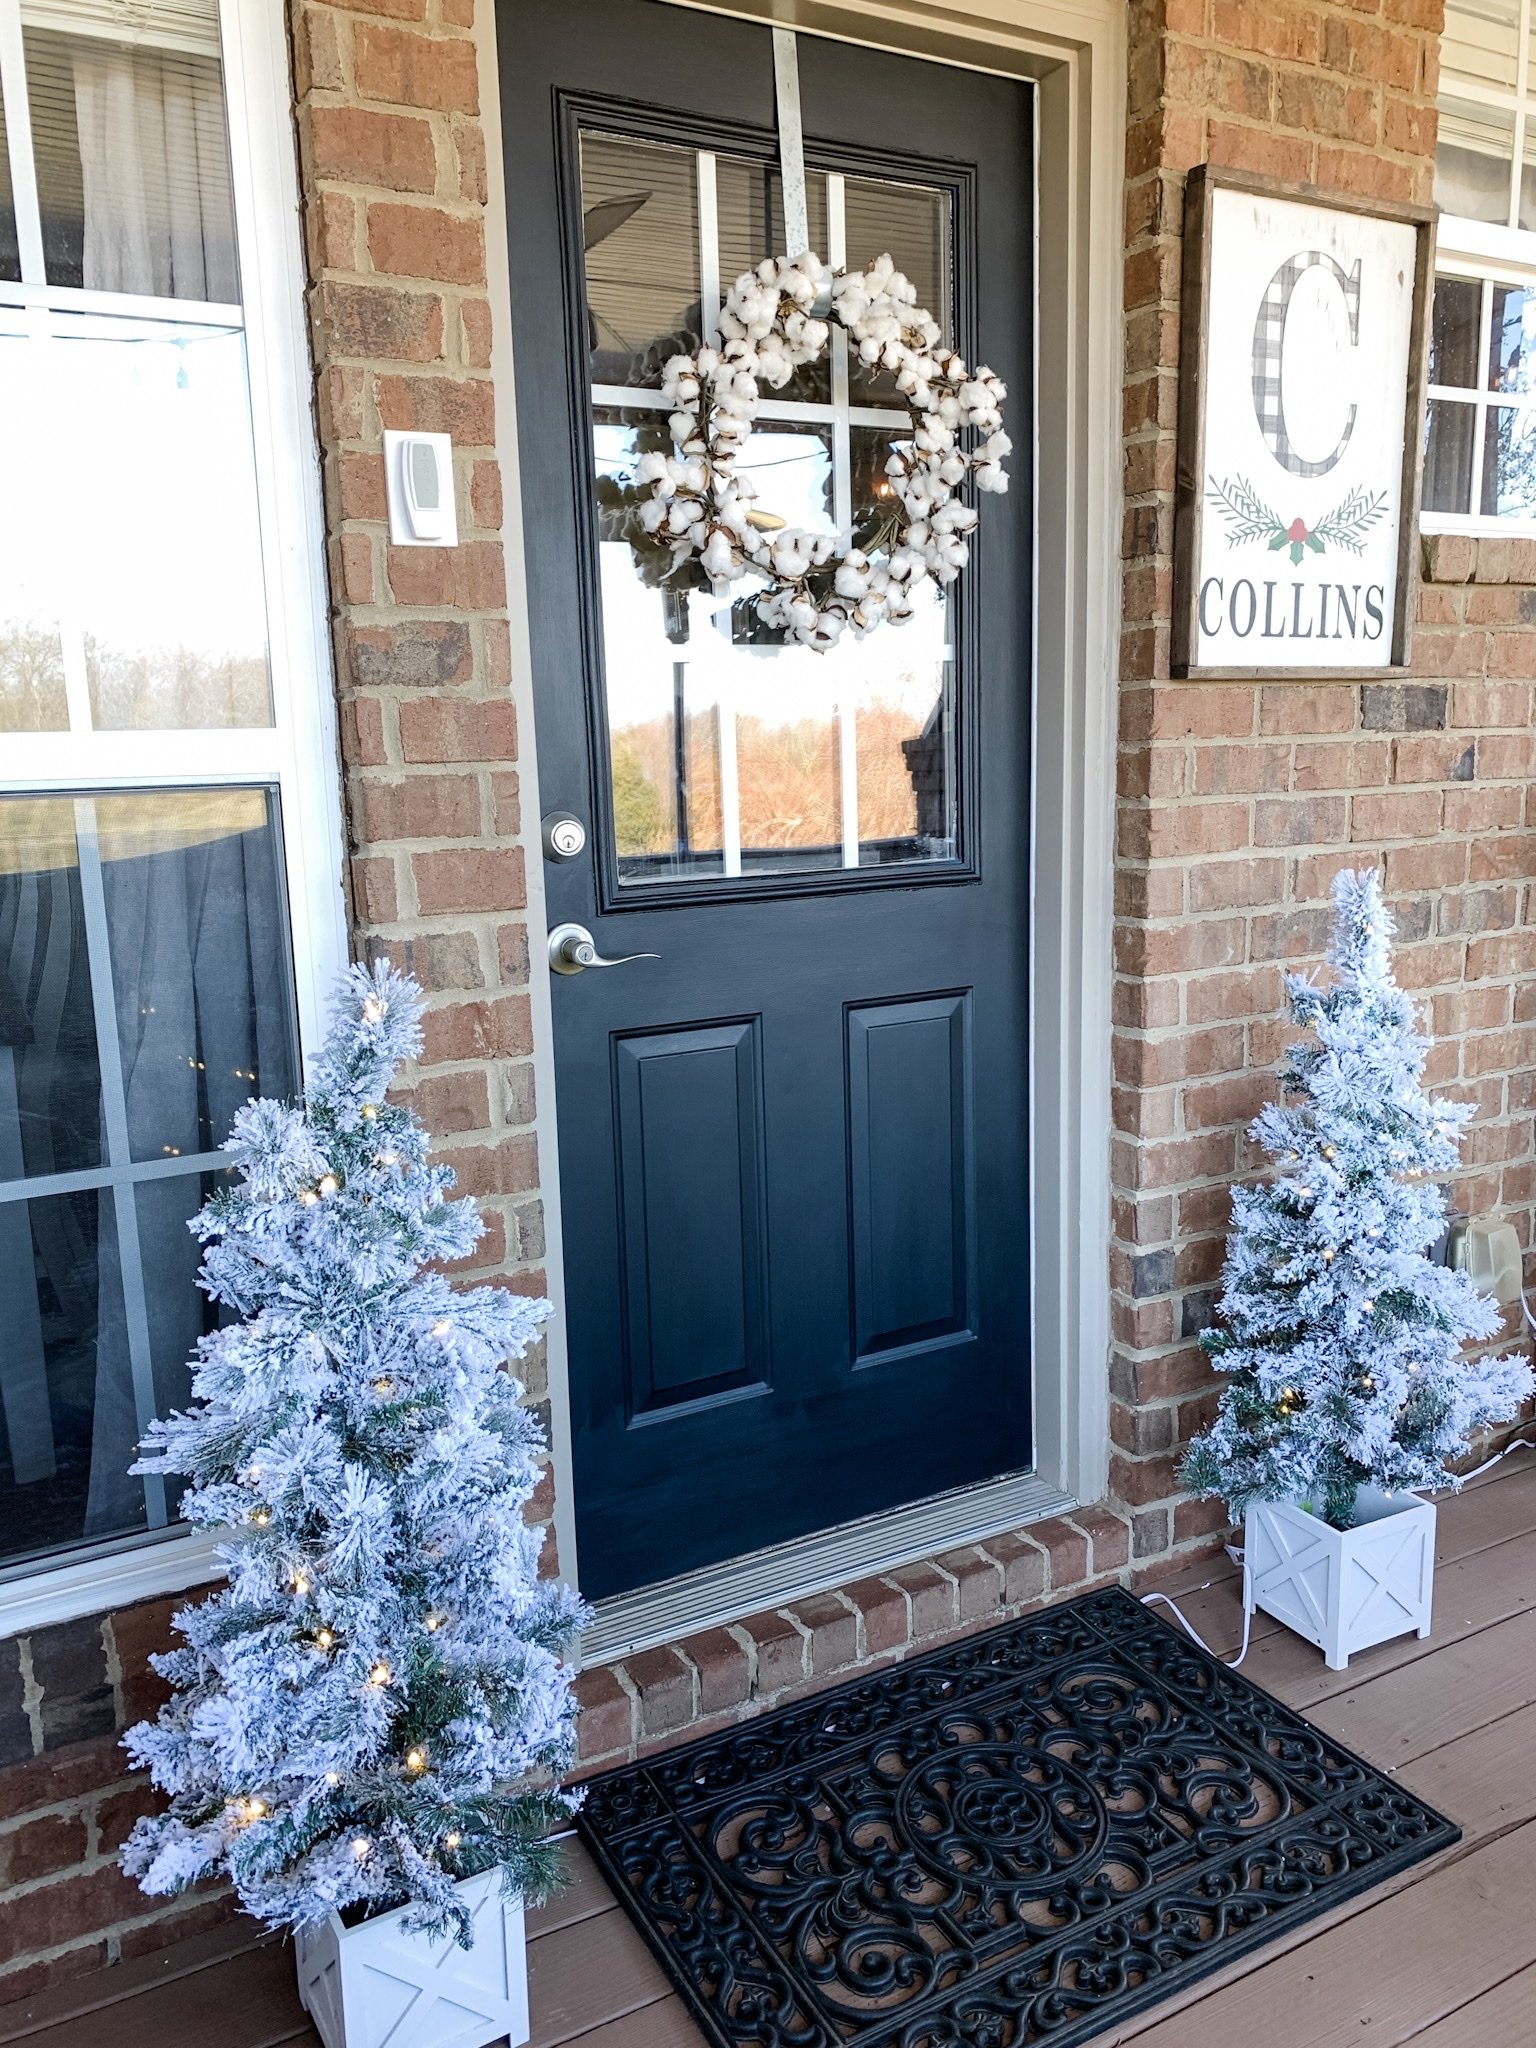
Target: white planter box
x=375, y=1986
x=1343, y=1589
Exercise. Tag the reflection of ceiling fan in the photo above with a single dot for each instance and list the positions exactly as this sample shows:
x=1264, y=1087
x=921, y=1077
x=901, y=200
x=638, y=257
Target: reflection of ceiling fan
x=608, y=216
x=597, y=224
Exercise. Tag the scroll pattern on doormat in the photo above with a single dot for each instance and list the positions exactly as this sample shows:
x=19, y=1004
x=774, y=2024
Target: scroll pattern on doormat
x=1022, y=1838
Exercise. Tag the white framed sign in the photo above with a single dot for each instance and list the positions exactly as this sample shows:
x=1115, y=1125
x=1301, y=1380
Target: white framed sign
x=1301, y=408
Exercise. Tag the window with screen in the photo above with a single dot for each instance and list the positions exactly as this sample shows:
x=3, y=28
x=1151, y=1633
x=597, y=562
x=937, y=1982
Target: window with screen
x=1480, y=435
x=158, y=770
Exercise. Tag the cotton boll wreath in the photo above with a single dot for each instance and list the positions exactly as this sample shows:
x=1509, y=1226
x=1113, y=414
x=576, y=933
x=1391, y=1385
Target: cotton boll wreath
x=702, y=508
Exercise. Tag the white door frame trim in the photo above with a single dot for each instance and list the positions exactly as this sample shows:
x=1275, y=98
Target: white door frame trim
x=1075, y=50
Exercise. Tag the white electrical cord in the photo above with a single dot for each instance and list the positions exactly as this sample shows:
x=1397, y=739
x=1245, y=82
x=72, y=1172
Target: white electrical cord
x=1235, y=1552
x=1162, y=1599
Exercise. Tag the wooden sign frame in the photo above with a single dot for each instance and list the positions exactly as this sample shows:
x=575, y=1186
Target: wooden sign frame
x=1190, y=480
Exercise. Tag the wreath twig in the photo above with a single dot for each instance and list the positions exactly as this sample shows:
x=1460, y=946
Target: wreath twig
x=817, y=586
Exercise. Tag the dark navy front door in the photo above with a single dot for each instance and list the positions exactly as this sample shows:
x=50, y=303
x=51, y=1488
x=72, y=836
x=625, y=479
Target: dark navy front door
x=793, y=1157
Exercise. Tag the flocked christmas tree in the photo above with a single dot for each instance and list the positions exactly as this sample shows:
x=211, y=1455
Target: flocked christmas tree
x=375, y=1703
x=1340, y=1339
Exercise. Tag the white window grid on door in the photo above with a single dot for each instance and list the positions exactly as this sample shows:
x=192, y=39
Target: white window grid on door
x=1489, y=253
x=292, y=757
x=840, y=416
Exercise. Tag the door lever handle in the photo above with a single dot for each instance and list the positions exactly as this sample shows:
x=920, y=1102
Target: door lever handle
x=572, y=950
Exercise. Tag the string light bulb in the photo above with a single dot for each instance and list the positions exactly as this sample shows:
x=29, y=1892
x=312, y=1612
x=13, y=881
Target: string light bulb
x=380, y=1674
x=328, y=1184
x=261, y=1516
x=324, y=1639
x=373, y=1009
x=308, y=1197
x=360, y=1846
x=416, y=1761
x=301, y=1583
x=441, y=1327
x=369, y=1111
x=384, y=1385
x=1328, y=1256
x=1368, y=1308
x=452, y=1839
x=333, y=1777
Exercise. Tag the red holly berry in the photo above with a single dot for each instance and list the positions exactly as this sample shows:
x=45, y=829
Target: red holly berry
x=1297, y=530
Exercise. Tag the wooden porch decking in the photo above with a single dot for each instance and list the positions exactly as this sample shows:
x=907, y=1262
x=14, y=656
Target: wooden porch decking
x=1444, y=1957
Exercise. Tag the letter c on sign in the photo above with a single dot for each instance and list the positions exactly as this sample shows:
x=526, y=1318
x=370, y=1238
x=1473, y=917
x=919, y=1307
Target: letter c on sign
x=1269, y=356
x=1211, y=583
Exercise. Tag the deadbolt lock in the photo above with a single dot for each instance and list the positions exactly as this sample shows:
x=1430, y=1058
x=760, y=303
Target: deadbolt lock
x=564, y=835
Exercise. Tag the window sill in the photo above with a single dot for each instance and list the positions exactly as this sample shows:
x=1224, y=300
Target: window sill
x=39, y=1596
x=1477, y=526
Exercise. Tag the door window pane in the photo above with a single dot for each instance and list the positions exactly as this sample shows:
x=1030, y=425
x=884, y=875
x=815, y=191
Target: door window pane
x=132, y=162
x=640, y=230
x=909, y=223
x=750, y=204
x=730, y=755
x=145, y=993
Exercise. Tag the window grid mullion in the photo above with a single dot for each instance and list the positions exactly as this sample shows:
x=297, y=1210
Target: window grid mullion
x=1480, y=419
x=114, y=1104
x=1522, y=108
x=18, y=128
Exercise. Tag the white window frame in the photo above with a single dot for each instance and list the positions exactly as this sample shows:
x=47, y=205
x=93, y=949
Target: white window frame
x=298, y=753
x=1488, y=252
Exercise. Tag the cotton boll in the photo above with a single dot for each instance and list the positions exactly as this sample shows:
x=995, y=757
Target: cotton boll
x=718, y=558
x=652, y=514
x=851, y=582
x=990, y=476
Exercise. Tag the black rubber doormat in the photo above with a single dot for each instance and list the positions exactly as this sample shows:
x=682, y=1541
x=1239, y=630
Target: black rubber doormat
x=1023, y=1838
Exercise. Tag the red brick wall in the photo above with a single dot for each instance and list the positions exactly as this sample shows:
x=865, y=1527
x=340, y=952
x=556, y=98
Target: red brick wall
x=68, y=1799
x=1237, y=804
x=394, y=178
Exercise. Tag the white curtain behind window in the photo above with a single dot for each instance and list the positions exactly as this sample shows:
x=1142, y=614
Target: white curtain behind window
x=154, y=175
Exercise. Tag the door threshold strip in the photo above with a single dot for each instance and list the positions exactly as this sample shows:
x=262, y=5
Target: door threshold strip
x=628, y=1622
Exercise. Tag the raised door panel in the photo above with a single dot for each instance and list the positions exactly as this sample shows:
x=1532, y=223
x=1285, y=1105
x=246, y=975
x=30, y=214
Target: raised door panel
x=690, y=1176
x=909, y=1151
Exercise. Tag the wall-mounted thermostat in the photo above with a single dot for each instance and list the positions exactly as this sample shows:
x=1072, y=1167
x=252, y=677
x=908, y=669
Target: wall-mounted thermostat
x=418, y=470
